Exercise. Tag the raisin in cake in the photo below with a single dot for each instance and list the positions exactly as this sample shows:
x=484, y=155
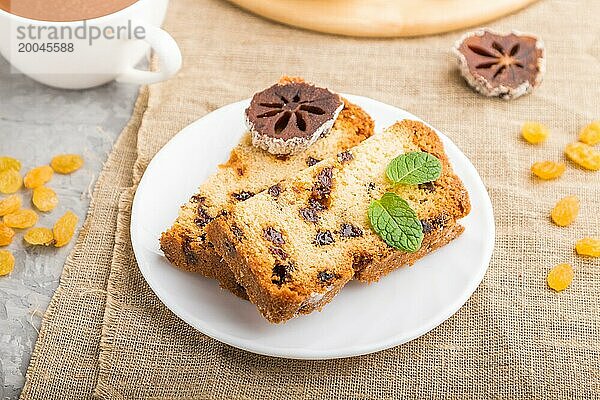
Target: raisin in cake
x=248, y=171
x=293, y=249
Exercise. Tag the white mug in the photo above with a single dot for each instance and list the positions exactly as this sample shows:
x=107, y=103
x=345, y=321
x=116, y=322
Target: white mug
x=84, y=54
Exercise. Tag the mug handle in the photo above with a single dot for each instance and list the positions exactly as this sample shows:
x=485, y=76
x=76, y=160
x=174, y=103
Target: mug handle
x=167, y=51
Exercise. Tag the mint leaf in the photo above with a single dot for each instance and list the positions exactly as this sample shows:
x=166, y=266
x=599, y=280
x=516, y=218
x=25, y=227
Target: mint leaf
x=414, y=168
x=397, y=224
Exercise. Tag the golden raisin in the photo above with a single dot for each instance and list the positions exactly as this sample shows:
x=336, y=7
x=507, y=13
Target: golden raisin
x=583, y=155
x=10, y=181
x=64, y=229
x=39, y=236
x=10, y=204
x=588, y=247
x=21, y=219
x=560, y=277
x=44, y=198
x=548, y=169
x=66, y=163
x=590, y=134
x=38, y=176
x=7, y=262
x=565, y=211
x=6, y=235
x=534, y=132
x=9, y=163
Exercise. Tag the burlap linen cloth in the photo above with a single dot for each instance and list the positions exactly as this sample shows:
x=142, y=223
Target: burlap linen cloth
x=64, y=364
x=513, y=339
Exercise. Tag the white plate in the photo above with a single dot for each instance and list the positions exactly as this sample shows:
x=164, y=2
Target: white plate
x=362, y=318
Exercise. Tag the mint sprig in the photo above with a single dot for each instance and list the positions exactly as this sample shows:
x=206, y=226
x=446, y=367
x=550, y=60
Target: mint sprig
x=414, y=168
x=396, y=223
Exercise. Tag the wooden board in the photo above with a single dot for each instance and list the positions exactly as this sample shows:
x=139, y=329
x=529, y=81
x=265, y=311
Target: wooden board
x=382, y=18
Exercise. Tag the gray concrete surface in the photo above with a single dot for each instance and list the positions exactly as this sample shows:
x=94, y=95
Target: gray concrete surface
x=37, y=122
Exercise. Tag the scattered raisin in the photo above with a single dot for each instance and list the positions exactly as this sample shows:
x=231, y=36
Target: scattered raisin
x=583, y=155
x=590, y=134
x=323, y=185
x=426, y=226
x=273, y=236
x=203, y=218
x=38, y=176
x=309, y=214
x=66, y=163
x=565, y=211
x=10, y=204
x=324, y=238
x=325, y=179
x=39, y=236
x=437, y=222
x=197, y=198
x=325, y=276
x=21, y=219
x=278, y=252
x=350, y=231
x=186, y=248
x=9, y=163
x=428, y=187
x=6, y=235
x=560, y=277
x=588, y=247
x=242, y=196
x=310, y=161
x=282, y=273
x=237, y=232
x=345, y=157
x=534, y=132
x=64, y=229
x=44, y=198
x=7, y=262
x=548, y=169
x=316, y=205
x=10, y=181
x=275, y=190
x=360, y=261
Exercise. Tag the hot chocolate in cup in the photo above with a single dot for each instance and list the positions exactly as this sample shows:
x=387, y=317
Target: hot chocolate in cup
x=61, y=44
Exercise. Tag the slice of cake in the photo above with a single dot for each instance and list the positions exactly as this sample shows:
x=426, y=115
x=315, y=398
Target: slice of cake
x=248, y=171
x=294, y=248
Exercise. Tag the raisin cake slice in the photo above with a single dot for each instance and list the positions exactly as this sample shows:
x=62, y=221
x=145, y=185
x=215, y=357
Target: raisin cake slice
x=293, y=249
x=248, y=171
